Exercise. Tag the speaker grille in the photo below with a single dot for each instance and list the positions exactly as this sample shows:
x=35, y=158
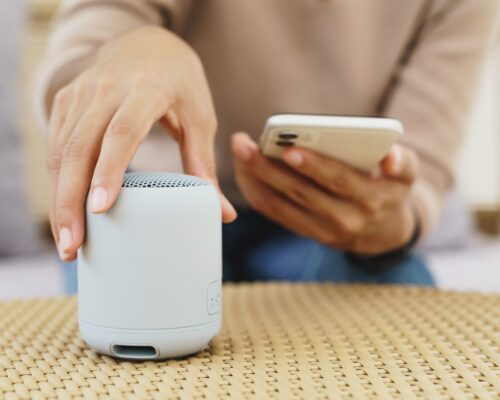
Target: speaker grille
x=160, y=180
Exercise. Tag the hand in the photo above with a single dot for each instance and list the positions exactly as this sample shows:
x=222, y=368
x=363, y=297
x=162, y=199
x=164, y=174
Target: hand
x=100, y=118
x=324, y=199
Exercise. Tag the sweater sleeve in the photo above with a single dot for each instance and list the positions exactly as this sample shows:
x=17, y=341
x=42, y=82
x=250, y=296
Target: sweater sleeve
x=433, y=89
x=82, y=26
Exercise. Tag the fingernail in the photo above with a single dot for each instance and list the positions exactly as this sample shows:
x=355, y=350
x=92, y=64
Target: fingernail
x=65, y=242
x=230, y=207
x=294, y=158
x=98, y=199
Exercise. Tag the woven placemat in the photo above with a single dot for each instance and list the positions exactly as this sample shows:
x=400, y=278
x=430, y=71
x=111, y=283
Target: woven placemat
x=278, y=341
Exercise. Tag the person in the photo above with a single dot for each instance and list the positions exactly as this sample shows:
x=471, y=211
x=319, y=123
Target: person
x=116, y=67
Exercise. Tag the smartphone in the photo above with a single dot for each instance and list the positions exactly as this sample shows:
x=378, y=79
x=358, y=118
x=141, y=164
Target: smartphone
x=360, y=142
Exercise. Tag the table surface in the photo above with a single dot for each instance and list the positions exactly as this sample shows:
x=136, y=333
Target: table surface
x=277, y=341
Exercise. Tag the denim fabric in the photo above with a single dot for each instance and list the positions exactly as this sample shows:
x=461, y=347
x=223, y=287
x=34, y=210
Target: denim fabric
x=258, y=249
x=255, y=248
x=69, y=277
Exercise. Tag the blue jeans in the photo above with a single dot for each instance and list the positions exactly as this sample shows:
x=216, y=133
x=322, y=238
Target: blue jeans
x=255, y=248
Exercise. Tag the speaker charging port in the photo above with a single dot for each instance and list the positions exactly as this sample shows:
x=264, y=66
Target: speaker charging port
x=134, y=352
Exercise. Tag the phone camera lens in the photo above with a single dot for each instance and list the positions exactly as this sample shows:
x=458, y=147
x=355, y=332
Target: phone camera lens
x=288, y=135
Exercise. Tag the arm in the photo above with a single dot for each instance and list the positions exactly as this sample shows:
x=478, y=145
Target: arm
x=370, y=215
x=112, y=72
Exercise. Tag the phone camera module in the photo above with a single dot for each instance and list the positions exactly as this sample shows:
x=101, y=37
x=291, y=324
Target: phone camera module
x=286, y=135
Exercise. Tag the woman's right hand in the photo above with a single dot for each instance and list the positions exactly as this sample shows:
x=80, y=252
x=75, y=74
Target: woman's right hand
x=100, y=118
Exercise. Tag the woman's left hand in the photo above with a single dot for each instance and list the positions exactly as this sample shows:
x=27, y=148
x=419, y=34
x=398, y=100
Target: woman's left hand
x=326, y=200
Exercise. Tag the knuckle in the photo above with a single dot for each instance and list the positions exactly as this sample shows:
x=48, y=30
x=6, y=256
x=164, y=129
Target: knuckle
x=104, y=87
x=340, y=183
x=373, y=205
x=120, y=127
x=76, y=149
x=63, y=97
x=298, y=195
x=63, y=204
x=352, y=226
x=54, y=161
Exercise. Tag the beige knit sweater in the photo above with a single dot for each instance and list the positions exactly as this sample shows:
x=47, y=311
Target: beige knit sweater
x=414, y=60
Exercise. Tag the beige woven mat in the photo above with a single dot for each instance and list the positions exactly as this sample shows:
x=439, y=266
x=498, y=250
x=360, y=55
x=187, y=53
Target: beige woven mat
x=278, y=341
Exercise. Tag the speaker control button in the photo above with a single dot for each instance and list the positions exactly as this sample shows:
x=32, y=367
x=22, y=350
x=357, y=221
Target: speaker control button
x=214, y=297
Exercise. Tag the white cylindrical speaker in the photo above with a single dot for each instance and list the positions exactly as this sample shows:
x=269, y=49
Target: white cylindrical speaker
x=149, y=272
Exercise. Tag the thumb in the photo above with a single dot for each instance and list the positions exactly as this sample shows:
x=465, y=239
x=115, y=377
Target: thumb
x=401, y=163
x=198, y=158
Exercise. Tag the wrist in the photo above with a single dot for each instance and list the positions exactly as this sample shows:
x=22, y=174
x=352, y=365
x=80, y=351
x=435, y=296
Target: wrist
x=408, y=222
x=376, y=262
x=388, y=234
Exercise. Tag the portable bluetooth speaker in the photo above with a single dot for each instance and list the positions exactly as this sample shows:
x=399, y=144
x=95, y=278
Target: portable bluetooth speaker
x=149, y=272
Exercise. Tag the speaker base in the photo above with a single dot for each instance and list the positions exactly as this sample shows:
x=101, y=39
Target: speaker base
x=149, y=344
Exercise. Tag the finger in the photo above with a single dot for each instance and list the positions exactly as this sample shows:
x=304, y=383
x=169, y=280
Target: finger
x=347, y=217
x=69, y=104
x=57, y=118
x=335, y=176
x=197, y=151
x=243, y=146
x=301, y=190
x=401, y=163
x=77, y=164
x=80, y=98
x=277, y=208
x=128, y=127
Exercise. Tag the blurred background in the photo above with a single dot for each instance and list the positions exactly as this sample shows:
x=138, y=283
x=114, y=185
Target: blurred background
x=463, y=256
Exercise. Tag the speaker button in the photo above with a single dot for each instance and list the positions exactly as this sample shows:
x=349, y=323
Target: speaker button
x=214, y=298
